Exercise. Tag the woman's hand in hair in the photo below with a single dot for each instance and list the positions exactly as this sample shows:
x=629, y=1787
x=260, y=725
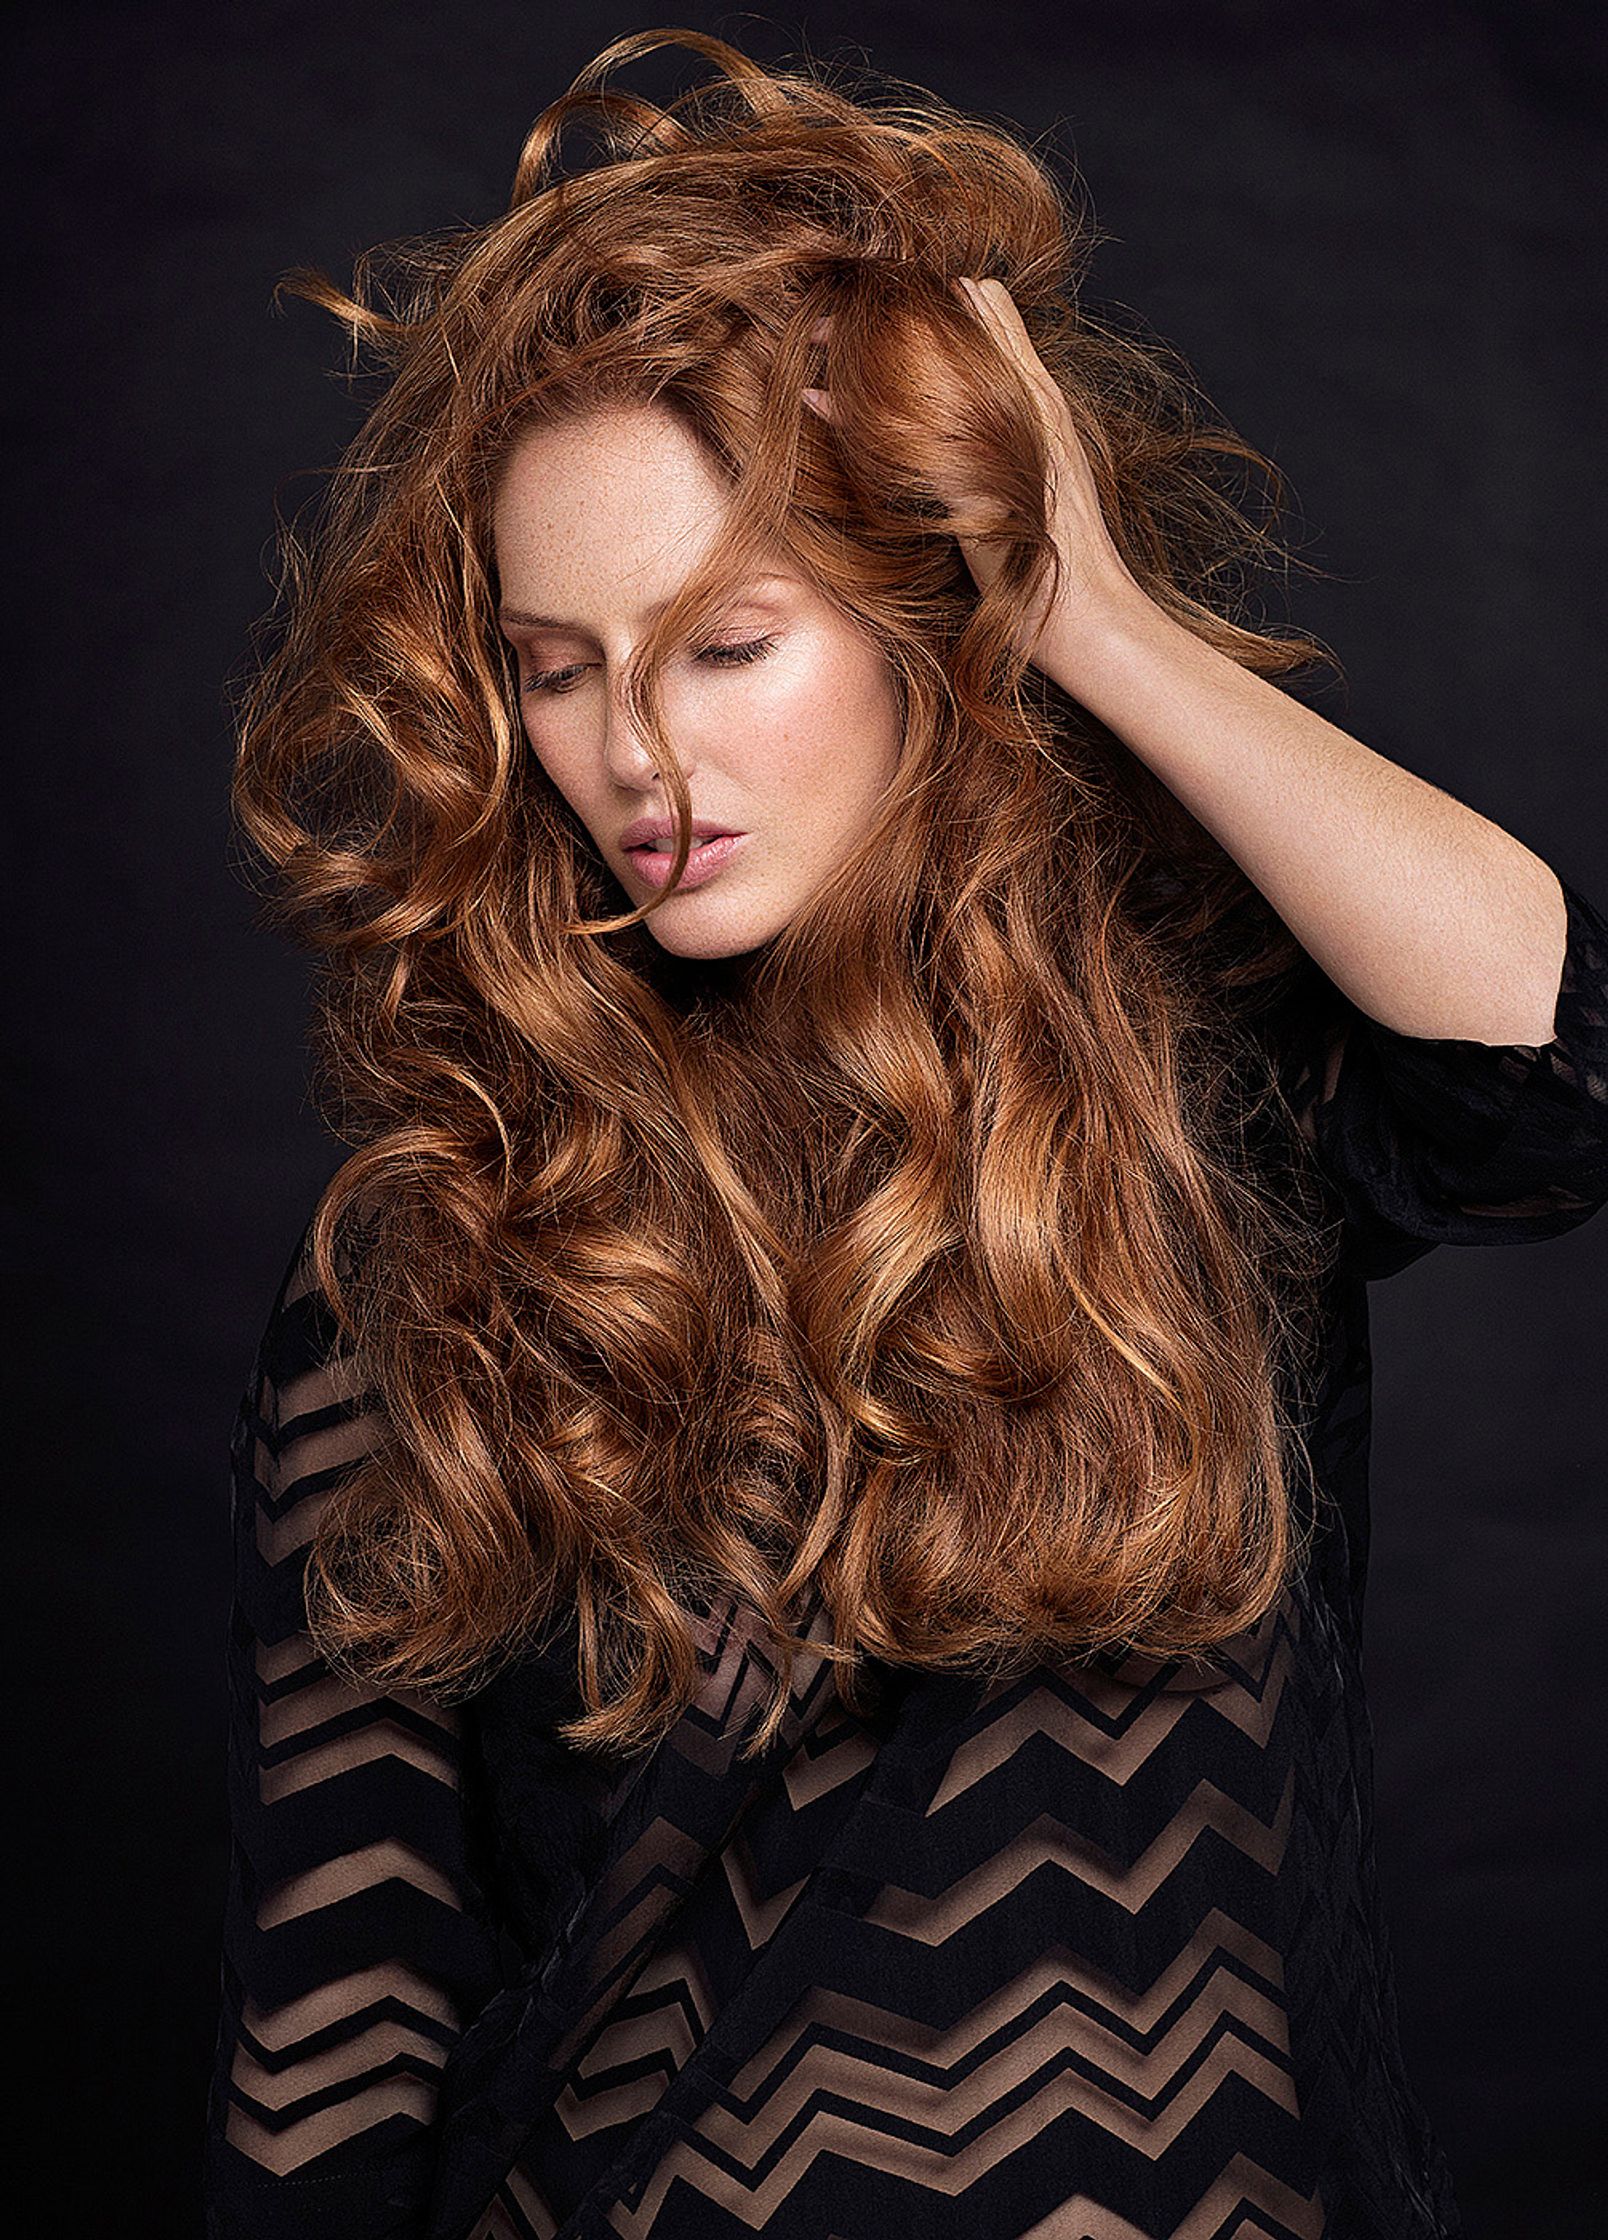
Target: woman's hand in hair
x=1093, y=571
x=1095, y=580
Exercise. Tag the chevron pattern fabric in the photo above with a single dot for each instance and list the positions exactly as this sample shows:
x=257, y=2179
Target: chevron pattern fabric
x=1094, y=1953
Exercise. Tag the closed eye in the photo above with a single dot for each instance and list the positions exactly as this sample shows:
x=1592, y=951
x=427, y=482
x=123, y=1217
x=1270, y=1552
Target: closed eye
x=560, y=681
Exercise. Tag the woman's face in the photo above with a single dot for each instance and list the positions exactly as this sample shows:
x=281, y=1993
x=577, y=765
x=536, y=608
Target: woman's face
x=789, y=742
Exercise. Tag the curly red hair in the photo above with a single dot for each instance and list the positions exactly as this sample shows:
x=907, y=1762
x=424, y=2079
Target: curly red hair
x=916, y=1268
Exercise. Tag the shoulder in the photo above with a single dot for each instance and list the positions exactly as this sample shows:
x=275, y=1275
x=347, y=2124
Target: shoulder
x=301, y=1334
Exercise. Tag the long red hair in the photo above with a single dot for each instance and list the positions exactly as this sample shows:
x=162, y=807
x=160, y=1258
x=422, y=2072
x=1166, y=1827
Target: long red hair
x=915, y=1268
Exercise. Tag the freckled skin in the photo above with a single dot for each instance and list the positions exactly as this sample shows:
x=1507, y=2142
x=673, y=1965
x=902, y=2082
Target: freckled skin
x=597, y=522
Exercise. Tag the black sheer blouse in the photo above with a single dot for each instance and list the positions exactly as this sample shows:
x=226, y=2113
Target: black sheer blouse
x=1095, y=1952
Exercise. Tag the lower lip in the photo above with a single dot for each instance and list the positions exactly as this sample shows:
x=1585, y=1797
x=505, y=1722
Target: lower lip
x=654, y=864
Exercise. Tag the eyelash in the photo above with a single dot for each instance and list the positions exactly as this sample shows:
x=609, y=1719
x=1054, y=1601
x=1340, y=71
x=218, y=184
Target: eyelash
x=733, y=656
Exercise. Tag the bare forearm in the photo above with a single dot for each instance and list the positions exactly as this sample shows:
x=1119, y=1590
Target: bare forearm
x=1430, y=917
x=1434, y=920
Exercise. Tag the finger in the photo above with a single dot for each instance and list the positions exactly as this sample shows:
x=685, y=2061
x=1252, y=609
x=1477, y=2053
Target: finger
x=821, y=402
x=997, y=306
x=991, y=302
x=998, y=310
x=821, y=329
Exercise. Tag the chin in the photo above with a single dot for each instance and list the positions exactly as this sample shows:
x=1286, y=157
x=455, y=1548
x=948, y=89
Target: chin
x=706, y=945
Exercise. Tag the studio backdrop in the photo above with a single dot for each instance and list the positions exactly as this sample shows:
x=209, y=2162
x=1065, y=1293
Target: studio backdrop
x=1376, y=234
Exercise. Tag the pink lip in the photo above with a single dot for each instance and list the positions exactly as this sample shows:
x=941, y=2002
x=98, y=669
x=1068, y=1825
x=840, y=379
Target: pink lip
x=657, y=831
x=703, y=861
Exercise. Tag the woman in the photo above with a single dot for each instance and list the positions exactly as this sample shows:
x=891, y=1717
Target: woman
x=801, y=1513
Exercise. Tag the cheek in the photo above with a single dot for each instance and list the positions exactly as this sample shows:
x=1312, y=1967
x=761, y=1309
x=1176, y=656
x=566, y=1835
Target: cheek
x=543, y=752
x=825, y=726
x=569, y=767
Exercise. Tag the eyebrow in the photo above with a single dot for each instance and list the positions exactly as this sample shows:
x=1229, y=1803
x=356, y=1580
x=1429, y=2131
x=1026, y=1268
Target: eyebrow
x=522, y=620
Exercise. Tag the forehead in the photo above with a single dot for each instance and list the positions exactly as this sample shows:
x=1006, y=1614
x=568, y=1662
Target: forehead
x=625, y=479
x=607, y=515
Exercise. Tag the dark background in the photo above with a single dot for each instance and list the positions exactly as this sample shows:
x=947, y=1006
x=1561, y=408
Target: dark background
x=1378, y=235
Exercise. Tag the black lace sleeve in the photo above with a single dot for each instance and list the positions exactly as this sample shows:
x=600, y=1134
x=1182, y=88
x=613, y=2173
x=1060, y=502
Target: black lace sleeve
x=1437, y=1140
x=357, y=1943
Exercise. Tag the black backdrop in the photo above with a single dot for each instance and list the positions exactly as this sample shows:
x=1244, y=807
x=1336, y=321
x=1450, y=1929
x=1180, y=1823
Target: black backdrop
x=1378, y=235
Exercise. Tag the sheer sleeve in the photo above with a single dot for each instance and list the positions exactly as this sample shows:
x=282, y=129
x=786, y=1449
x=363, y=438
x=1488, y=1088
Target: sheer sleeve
x=357, y=1943
x=1432, y=1140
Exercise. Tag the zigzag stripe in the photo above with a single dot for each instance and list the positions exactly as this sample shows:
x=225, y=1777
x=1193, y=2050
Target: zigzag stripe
x=348, y=1888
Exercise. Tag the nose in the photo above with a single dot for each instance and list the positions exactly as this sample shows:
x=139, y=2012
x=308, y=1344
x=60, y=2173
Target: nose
x=627, y=753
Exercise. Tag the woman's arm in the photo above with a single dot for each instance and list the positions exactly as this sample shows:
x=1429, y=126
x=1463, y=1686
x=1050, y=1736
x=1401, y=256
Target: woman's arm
x=1431, y=918
x=357, y=1940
